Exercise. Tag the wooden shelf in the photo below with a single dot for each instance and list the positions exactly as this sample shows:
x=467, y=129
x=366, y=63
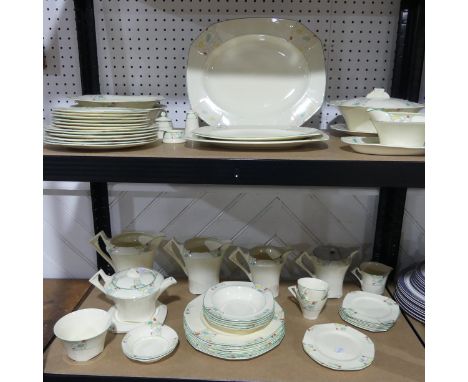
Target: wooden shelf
x=399, y=354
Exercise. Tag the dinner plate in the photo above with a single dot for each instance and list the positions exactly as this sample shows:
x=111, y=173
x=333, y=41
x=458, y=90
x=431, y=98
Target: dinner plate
x=338, y=347
x=256, y=133
x=371, y=145
x=243, y=145
x=117, y=100
x=256, y=71
x=107, y=111
x=100, y=132
x=82, y=146
x=342, y=128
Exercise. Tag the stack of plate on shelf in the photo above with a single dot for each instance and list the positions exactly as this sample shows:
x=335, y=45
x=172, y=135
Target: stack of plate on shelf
x=369, y=311
x=104, y=127
x=410, y=291
x=254, y=137
x=234, y=320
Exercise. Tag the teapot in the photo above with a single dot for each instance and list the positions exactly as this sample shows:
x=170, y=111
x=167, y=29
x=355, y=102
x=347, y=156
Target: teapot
x=264, y=263
x=329, y=264
x=129, y=249
x=134, y=291
x=200, y=258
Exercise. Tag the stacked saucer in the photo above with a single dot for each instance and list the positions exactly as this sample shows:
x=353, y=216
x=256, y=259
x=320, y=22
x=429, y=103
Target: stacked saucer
x=238, y=321
x=369, y=311
x=410, y=291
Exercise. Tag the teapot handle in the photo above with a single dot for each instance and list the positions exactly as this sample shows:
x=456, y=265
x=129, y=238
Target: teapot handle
x=169, y=248
x=233, y=258
x=97, y=283
x=356, y=273
x=301, y=264
x=95, y=242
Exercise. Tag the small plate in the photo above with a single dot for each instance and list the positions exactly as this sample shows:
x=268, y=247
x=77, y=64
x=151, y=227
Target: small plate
x=371, y=145
x=149, y=342
x=338, y=347
x=342, y=128
x=119, y=326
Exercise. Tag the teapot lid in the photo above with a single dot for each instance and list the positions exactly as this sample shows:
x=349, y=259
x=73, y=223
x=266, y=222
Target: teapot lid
x=378, y=99
x=134, y=283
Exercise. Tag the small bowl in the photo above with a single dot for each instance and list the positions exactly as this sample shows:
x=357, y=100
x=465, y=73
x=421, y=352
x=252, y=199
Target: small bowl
x=149, y=342
x=174, y=136
x=399, y=128
x=83, y=333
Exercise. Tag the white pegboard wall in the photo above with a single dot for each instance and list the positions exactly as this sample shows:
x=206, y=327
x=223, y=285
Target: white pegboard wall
x=143, y=45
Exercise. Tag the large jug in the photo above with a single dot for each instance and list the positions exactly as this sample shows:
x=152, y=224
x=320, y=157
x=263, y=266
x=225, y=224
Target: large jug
x=200, y=258
x=129, y=249
x=264, y=265
x=329, y=264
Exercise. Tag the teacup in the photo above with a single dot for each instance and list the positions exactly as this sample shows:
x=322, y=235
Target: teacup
x=311, y=293
x=372, y=276
x=83, y=333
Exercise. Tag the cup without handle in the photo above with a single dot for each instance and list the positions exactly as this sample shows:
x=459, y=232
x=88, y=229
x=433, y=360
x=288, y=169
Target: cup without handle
x=233, y=258
x=95, y=242
x=96, y=281
x=175, y=250
x=301, y=264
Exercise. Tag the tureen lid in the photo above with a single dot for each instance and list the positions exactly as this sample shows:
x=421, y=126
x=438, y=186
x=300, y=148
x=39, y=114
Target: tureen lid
x=163, y=117
x=378, y=99
x=134, y=283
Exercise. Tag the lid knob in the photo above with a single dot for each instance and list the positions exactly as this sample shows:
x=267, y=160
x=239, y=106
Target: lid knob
x=133, y=273
x=378, y=93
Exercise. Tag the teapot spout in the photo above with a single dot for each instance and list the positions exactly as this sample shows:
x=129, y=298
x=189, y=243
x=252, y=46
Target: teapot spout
x=166, y=284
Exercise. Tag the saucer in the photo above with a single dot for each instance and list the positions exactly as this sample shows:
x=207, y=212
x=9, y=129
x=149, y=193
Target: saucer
x=149, y=342
x=371, y=145
x=342, y=128
x=119, y=326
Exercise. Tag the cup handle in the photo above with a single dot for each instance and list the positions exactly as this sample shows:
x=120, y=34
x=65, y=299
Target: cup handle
x=356, y=273
x=233, y=258
x=96, y=281
x=95, y=242
x=301, y=264
x=293, y=290
x=169, y=248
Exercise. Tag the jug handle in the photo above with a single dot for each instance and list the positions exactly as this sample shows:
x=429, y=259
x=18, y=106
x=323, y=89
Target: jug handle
x=293, y=290
x=169, y=248
x=233, y=258
x=95, y=242
x=301, y=264
x=97, y=283
x=356, y=273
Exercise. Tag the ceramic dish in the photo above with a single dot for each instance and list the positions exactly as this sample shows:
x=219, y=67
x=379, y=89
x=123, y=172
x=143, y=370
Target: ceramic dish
x=256, y=71
x=149, y=342
x=372, y=145
x=119, y=326
x=265, y=145
x=256, y=133
x=342, y=128
x=338, y=347
x=94, y=111
x=83, y=146
x=117, y=101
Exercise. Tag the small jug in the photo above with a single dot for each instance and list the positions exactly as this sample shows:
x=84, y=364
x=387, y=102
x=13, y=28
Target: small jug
x=372, y=276
x=264, y=263
x=129, y=249
x=200, y=258
x=330, y=265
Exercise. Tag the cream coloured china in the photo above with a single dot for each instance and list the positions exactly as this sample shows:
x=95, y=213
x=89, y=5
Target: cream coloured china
x=311, y=294
x=119, y=326
x=372, y=276
x=330, y=265
x=63, y=133
x=134, y=291
x=338, y=347
x=217, y=343
x=149, y=342
x=264, y=265
x=399, y=129
x=256, y=133
x=264, y=145
x=256, y=71
x=83, y=333
x=200, y=258
x=355, y=112
x=174, y=136
x=97, y=146
x=129, y=249
x=191, y=123
x=99, y=111
x=102, y=100
x=372, y=146
x=342, y=128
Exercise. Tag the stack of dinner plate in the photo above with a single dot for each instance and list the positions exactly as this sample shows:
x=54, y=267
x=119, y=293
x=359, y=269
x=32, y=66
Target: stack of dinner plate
x=105, y=122
x=255, y=137
x=369, y=311
x=234, y=320
x=410, y=291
